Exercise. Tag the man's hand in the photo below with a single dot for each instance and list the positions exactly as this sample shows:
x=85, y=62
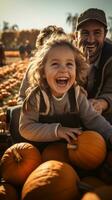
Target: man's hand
x=68, y=134
x=99, y=105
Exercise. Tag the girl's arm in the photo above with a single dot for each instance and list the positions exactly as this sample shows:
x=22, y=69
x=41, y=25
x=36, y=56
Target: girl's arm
x=32, y=130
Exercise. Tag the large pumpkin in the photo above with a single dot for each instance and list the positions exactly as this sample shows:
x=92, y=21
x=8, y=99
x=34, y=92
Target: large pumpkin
x=18, y=161
x=90, y=151
x=56, y=151
x=7, y=192
x=52, y=180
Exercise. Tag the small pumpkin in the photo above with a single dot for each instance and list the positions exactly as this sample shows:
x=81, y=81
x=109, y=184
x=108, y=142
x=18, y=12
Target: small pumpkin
x=7, y=192
x=18, y=161
x=90, y=196
x=56, y=151
x=101, y=193
x=51, y=180
x=90, y=151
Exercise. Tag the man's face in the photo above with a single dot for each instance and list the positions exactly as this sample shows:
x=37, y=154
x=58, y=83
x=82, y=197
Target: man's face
x=91, y=37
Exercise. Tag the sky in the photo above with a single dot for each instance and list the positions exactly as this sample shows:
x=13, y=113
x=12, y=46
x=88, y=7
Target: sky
x=37, y=14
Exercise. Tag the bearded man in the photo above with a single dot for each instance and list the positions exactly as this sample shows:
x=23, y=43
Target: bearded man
x=91, y=38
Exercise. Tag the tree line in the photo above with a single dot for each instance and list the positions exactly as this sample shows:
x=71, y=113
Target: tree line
x=12, y=37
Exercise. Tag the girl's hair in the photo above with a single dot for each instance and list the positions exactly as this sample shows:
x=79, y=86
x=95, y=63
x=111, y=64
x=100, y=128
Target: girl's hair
x=37, y=72
x=46, y=34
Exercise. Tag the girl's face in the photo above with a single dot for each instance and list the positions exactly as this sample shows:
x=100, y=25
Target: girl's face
x=60, y=70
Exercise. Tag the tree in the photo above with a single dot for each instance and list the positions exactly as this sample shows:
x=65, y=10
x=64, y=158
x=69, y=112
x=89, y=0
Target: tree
x=15, y=27
x=5, y=25
x=72, y=20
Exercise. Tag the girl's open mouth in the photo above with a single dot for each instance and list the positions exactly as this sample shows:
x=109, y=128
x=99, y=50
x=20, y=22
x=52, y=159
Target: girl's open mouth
x=62, y=81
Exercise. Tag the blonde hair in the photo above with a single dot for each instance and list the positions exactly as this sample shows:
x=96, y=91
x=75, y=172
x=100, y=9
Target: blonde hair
x=46, y=33
x=37, y=72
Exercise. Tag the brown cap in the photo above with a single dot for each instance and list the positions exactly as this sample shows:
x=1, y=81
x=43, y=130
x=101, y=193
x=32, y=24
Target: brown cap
x=92, y=14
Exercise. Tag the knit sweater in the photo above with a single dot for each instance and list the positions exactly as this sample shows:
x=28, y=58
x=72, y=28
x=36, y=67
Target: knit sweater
x=33, y=129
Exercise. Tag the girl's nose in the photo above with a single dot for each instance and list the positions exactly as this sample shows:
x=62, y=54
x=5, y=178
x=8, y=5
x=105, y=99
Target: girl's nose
x=63, y=67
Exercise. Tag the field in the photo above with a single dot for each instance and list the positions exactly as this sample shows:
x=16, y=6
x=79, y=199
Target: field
x=12, y=57
x=11, y=76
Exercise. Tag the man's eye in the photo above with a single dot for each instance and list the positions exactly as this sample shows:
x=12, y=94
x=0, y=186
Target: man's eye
x=84, y=34
x=98, y=33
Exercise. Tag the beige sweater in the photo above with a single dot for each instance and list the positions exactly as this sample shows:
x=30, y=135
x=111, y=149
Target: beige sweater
x=33, y=130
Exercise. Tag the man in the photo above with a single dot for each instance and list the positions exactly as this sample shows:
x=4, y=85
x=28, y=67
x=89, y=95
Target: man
x=28, y=48
x=22, y=51
x=91, y=38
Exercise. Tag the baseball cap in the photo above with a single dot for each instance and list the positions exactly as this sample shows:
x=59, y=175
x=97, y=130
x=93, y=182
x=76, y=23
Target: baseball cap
x=92, y=14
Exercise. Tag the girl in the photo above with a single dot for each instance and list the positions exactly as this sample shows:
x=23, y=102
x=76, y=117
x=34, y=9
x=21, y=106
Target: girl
x=43, y=36
x=14, y=112
x=57, y=106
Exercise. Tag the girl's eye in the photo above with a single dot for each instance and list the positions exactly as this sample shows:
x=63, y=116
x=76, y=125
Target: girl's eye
x=54, y=64
x=69, y=64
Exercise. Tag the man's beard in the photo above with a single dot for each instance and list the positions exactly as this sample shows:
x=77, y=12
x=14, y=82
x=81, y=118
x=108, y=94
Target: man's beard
x=91, y=50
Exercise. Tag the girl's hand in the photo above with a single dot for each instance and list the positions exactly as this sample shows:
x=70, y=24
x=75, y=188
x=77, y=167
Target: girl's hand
x=68, y=134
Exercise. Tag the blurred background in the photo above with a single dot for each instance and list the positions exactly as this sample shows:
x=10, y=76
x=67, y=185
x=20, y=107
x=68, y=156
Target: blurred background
x=22, y=20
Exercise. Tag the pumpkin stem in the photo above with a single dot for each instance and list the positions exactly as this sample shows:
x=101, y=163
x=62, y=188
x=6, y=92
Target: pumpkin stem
x=17, y=156
x=71, y=146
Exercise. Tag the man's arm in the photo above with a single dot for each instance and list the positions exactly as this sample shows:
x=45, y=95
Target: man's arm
x=103, y=100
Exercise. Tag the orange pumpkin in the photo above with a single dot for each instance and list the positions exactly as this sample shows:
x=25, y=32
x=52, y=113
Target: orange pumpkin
x=90, y=151
x=7, y=192
x=51, y=180
x=55, y=151
x=90, y=196
x=101, y=193
x=18, y=161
